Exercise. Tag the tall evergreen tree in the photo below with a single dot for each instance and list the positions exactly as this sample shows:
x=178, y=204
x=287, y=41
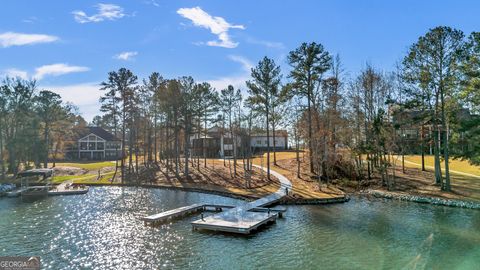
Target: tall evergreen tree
x=120, y=87
x=265, y=83
x=229, y=99
x=309, y=62
x=435, y=59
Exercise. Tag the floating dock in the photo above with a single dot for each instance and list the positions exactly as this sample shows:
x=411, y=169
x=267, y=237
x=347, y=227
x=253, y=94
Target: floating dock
x=66, y=188
x=247, y=218
x=259, y=212
x=236, y=220
x=242, y=219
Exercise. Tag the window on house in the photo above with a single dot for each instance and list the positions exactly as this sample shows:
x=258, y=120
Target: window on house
x=100, y=146
x=83, y=146
x=91, y=146
x=259, y=142
x=92, y=138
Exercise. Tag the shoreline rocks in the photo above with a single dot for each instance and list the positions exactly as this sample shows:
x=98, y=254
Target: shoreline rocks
x=422, y=199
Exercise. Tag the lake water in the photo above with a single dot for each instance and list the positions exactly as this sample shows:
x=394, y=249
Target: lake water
x=102, y=230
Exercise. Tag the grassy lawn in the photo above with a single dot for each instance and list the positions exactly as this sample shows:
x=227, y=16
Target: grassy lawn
x=465, y=185
x=86, y=165
x=75, y=178
x=83, y=179
x=456, y=165
x=104, y=179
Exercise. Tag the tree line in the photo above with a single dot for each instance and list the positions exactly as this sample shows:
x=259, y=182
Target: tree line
x=34, y=125
x=348, y=126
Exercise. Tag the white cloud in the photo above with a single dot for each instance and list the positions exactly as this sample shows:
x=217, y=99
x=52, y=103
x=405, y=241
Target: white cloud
x=9, y=39
x=237, y=81
x=152, y=2
x=31, y=19
x=41, y=72
x=268, y=44
x=15, y=73
x=216, y=25
x=125, y=55
x=57, y=70
x=86, y=96
x=246, y=64
x=105, y=12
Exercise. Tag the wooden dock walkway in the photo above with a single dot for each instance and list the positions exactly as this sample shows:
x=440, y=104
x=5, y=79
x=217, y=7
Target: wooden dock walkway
x=247, y=218
x=184, y=211
x=196, y=208
x=175, y=213
x=240, y=219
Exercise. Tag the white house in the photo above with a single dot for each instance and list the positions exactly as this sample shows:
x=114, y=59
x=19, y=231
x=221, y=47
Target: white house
x=259, y=141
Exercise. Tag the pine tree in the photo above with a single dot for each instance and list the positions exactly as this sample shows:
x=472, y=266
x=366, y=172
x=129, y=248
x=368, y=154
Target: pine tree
x=309, y=62
x=264, y=84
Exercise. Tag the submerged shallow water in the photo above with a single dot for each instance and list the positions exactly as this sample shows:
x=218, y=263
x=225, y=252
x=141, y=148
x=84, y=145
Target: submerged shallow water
x=102, y=230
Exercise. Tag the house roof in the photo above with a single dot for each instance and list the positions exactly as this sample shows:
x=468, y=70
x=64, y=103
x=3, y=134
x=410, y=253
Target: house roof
x=100, y=132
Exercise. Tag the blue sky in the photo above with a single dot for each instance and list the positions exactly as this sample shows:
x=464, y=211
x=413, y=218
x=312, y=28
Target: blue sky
x=70, y=46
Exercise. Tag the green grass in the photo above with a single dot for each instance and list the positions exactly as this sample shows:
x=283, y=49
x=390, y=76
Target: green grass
x=104, y=179
x=63, y=178
x=83, y=179
x=466, y=184
x=86, y=165
x=454, y=164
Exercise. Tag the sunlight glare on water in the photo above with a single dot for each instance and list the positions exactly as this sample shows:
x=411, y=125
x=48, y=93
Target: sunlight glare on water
x=103, y=230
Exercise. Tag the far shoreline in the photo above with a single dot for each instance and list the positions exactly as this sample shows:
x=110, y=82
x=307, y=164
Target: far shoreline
x=436, y=201
x=289, y=201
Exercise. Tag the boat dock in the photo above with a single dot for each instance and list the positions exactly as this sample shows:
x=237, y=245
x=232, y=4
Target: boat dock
x=68, y=188
x=242, y=219
x=15, y=193
x=199, y=208
x=171, y=214
x=247, y=218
